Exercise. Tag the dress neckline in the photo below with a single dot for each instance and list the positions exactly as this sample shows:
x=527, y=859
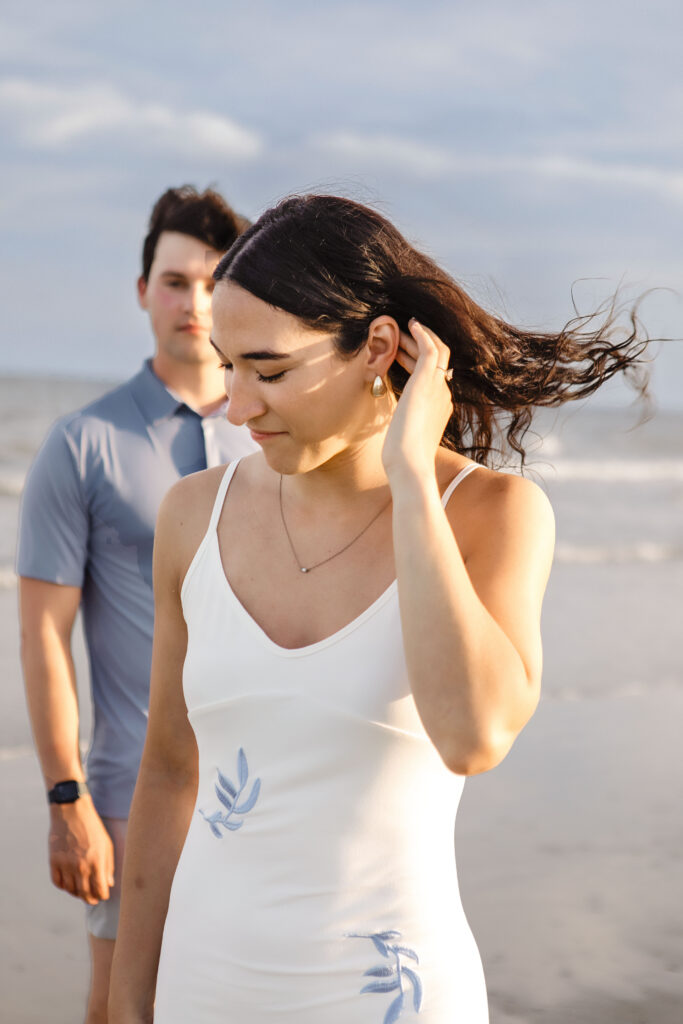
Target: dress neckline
x=337, y=635
x=306, y=649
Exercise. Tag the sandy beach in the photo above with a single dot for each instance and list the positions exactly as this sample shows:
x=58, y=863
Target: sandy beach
x=569, y=853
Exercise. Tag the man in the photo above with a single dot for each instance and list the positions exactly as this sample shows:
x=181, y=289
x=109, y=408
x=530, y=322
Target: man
x=85, y=539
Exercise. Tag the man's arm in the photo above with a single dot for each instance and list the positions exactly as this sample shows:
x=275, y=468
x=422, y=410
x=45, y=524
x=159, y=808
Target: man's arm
x=81, y=852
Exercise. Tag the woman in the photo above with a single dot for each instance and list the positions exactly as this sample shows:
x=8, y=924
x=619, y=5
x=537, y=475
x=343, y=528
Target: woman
x=349, y=619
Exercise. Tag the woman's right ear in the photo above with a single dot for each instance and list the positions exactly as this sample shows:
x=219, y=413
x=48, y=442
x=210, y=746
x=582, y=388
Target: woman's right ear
x=382, y=345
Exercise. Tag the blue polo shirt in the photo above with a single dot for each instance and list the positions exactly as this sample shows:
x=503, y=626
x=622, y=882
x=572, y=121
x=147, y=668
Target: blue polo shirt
x=87, y=520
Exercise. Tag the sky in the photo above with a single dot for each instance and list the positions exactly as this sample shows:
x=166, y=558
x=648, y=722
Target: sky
x=534, y=149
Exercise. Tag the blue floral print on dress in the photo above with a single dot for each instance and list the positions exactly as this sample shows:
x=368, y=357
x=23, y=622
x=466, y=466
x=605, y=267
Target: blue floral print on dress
x=230, y=795
x=394, y=975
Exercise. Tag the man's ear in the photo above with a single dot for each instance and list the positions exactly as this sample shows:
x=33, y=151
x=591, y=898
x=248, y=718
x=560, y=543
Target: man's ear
x=142, y=292
x=381, y=347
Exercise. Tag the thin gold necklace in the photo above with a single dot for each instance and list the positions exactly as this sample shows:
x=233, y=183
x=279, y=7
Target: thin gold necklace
x=316, y=565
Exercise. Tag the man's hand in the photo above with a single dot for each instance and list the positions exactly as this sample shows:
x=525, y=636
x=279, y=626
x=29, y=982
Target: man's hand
x=81, y=851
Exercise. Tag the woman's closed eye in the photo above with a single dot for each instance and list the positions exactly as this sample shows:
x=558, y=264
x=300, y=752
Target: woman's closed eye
x=272, y=376
x=265, y=378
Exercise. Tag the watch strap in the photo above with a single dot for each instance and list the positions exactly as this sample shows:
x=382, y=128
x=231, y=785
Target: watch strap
x=67, y=792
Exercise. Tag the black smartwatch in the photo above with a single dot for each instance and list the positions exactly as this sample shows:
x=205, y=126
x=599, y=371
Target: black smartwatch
x=67, y=792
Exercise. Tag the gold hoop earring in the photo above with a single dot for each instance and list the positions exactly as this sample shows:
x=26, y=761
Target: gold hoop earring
x=378, y=388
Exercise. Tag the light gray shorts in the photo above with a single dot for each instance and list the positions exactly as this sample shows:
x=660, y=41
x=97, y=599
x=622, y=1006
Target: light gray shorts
x=102, y=920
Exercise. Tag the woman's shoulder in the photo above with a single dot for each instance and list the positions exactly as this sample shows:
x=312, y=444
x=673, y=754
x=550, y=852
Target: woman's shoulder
x=183, y=519
x=190, y=496
x=487, y=485
x=185, y=512
x=194, y=492
x=492, y=502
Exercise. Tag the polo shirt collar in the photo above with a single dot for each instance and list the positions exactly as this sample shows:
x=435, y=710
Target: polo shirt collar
x=154, y=400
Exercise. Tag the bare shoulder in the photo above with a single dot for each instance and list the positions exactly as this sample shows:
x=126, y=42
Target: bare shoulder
x=190, y=497
x=498, y=509
x=183, y=519
x=506, y=495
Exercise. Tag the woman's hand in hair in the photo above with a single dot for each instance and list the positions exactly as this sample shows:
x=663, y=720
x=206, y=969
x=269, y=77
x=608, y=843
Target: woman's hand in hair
x=424, y=408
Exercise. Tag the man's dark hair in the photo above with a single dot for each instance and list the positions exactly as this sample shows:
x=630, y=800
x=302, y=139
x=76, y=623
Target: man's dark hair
x=202, y=215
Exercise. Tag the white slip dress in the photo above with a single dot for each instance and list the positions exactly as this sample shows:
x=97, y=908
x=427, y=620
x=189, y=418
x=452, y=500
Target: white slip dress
x=317, y=883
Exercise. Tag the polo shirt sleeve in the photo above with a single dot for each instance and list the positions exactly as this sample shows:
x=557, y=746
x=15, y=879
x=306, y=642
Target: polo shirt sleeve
x=54, y=520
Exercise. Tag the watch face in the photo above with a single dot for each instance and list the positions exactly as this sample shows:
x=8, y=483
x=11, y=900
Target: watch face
x=66, y=792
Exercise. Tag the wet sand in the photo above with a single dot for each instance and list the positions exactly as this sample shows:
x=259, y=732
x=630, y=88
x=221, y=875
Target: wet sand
x=569, y=860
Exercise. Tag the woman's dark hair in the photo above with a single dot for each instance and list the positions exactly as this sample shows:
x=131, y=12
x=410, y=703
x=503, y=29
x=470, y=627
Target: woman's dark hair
x=337, y=265
x=202, y=215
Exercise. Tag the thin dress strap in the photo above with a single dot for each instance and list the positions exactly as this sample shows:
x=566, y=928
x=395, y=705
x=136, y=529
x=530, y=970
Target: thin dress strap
x=454, y=483
x=211, y=528
x=220, y=496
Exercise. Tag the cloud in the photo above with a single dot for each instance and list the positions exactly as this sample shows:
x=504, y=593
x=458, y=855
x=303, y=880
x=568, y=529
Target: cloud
x=632, y=176
x=424, y=161
x=387, y=151
x=50, y=117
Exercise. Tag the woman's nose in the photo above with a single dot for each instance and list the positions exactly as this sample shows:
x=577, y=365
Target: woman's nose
x=243, y=402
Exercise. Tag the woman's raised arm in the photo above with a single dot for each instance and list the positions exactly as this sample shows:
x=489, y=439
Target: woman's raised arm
x=471, y=632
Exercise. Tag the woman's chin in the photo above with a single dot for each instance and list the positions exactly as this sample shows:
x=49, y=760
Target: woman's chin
x=281, y=462
x=291, y=463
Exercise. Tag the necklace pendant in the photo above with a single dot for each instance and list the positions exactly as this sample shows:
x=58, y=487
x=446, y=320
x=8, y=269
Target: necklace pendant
x=302, y=569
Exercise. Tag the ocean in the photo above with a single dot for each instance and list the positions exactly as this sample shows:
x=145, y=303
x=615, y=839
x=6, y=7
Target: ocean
x=569, y=851
x=616, y=488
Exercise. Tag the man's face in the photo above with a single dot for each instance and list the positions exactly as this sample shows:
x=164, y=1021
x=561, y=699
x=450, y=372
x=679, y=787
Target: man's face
x=177, y=297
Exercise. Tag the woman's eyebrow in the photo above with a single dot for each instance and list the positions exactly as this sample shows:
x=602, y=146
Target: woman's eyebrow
x=265, y=353
x=260, y=354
